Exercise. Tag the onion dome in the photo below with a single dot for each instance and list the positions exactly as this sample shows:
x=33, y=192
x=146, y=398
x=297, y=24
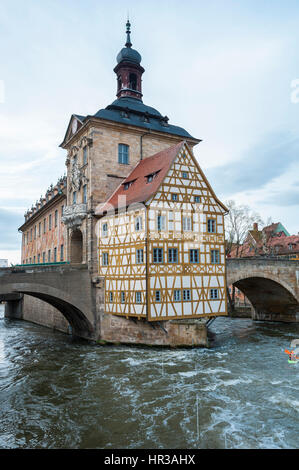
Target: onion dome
x=127, y=53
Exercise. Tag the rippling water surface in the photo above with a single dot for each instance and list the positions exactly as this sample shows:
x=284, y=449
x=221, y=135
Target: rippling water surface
x=56, y=392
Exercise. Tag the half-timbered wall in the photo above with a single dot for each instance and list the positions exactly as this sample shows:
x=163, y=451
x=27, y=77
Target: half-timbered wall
x=123, y=269
x=185, y=286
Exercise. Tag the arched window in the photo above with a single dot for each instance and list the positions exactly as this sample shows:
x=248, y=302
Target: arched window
x=123, y=154
x=133, y=81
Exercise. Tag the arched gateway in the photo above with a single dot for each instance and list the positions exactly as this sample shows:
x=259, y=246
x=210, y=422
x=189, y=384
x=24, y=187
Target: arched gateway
x=76, y=246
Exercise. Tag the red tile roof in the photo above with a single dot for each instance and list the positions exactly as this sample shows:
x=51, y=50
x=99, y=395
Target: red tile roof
x=140, y=191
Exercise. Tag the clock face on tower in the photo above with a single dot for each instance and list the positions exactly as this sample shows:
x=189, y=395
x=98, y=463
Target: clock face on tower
x=74, y=126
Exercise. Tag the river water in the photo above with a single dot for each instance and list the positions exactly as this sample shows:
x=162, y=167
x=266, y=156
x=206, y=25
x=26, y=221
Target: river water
x=57, y=392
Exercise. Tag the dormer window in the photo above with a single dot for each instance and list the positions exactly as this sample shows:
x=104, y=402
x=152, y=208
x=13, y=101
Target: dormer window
x=128, y=184
x=164, y=121
x=125, y=114
x=151, y=176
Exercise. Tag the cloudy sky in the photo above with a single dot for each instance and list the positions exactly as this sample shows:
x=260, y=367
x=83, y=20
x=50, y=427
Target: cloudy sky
x=222, y=69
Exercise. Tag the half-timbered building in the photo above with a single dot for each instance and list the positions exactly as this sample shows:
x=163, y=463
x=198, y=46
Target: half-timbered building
x=161, y=241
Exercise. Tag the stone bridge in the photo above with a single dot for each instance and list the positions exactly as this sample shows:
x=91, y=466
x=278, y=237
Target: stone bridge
x=271, y=285
x=68, y=288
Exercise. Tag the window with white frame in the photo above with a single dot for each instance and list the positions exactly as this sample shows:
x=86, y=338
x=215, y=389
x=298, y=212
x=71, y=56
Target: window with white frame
x=138, y=297
x=185, y=174
x=122, y=297
x=186, y=294
x=172, y=255
x=211, y=226
x=138, y=223
x=177, y=295
x=161, y=222
x=214, y=294
x=110, y=296
x=158, y=255
x=158, y=296
x=187, y=224
x=215, y=257
x=105, y=259
x=123, y=154
x=174, y=197
x=194, y=256
x=139, y=256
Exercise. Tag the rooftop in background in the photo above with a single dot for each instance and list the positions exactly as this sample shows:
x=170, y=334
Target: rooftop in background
x=272, y=240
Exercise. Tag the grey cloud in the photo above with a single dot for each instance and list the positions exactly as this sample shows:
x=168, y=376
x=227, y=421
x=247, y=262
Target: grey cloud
x=289, y=197
x=258, y=166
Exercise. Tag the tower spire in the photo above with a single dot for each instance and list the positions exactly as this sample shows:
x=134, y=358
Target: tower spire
x=128, y=25
x=128, y=70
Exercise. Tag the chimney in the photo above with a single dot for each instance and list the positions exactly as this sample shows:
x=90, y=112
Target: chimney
x=255, y=226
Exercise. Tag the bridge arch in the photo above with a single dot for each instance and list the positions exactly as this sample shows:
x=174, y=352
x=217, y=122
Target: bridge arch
x=82, y=326
x=271, y=296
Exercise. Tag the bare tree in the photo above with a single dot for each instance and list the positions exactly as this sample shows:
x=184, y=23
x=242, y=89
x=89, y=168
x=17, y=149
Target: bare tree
x=238, y=222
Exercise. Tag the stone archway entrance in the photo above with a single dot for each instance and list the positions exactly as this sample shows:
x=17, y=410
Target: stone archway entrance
x=76, y=247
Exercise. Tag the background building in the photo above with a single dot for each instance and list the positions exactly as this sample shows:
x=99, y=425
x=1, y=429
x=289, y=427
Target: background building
x=272, y=240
